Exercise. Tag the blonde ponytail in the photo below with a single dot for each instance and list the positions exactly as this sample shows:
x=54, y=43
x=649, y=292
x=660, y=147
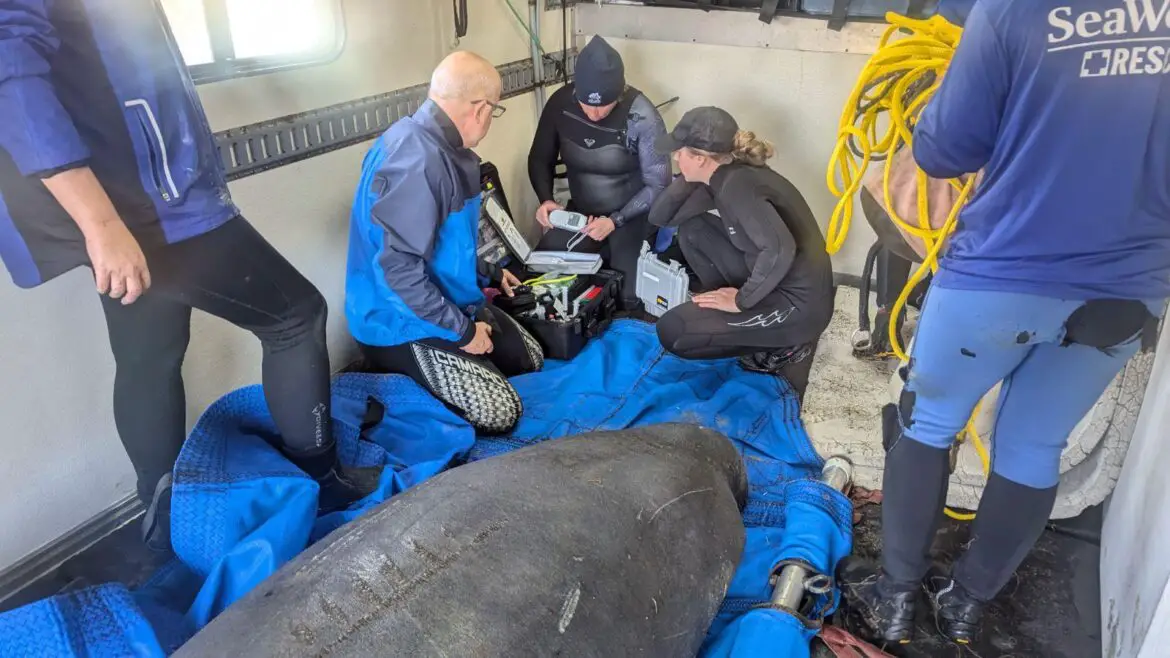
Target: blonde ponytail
x=751, y=149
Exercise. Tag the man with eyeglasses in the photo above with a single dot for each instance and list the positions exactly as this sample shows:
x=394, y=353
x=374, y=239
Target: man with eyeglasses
x=414, y=296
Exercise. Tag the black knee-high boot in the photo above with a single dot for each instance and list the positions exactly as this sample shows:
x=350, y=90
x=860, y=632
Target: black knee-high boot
x=1010, y=521
x=914, y=492
x=914, y=489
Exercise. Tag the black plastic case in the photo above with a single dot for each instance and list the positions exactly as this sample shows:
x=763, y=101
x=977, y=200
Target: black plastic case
x=564, y=340
x=522, y=300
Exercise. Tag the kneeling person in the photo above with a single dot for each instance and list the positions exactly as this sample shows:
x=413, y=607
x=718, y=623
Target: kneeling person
x=604, y=131
x=413, y=296
x=755, y=246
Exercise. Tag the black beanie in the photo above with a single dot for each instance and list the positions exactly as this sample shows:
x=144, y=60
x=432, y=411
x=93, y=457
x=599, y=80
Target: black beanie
x=600, y=76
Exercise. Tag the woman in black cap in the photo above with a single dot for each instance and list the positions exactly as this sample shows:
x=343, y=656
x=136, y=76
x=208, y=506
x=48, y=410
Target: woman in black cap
x=604, y=131
x=754, y=244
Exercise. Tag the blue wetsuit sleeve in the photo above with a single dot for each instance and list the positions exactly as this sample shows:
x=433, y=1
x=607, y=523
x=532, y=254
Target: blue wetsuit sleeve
x=957, y=131
x=35, y=129
x=645, y=126
x=409, y=211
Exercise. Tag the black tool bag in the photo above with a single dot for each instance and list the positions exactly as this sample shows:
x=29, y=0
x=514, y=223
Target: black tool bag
x=563, y=339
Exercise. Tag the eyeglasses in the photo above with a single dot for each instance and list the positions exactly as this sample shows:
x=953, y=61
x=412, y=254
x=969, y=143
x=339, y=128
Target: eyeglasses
x=497, y=109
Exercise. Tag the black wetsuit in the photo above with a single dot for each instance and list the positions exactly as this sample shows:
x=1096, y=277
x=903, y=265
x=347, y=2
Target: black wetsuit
x=613, y=172
x=752, y=230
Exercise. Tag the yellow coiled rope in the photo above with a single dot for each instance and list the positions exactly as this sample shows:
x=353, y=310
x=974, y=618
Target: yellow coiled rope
x=897, y=81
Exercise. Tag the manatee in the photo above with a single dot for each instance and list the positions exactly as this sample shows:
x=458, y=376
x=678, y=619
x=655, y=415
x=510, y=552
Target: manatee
x=605, y=544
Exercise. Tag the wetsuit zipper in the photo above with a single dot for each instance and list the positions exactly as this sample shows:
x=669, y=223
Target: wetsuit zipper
x=591, y=124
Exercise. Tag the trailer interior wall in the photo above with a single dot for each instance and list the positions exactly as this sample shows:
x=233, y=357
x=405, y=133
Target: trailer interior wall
x=787, y=81
x=62, y=461
x=1135, y=571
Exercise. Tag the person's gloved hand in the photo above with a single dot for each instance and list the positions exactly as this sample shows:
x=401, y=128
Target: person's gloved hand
x=599, y=228
x=482, y=343
x=543, y=211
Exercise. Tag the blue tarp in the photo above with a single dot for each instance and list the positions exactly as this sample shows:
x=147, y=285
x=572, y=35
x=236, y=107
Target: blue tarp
x=241, y=510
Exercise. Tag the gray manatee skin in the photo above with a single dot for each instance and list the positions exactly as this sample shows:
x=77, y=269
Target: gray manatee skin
x=606, y=544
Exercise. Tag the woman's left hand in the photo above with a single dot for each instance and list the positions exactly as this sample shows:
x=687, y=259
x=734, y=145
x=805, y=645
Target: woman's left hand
x=599, y=228
x=722, y=299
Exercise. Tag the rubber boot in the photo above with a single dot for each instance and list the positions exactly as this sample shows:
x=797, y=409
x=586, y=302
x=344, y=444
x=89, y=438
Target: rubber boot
x=886, y=613
x=914, y=491
x=156, y=522
x=958, y=615
x=792, y=363
x=1010, y=519
x=773, y=362
x=340, y=486
x=767, y=363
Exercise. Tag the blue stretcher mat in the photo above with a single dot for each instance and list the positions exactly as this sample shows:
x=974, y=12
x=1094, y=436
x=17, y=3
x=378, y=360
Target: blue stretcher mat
x=240, y=510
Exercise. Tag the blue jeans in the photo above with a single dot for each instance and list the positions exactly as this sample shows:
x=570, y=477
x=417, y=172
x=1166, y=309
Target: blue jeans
x=969, y=340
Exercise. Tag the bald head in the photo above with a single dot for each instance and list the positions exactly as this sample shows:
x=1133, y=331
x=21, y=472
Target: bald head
x=467, y=88
x=465, y=76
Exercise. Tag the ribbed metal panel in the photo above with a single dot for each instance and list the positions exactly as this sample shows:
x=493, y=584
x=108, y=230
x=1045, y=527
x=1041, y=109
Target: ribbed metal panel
x=258, y=147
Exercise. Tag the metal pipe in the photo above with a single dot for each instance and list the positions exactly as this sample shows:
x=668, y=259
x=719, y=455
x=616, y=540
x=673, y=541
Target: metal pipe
x=837, y=473
x=789, y=588
x=790, y=584
x=535, y=12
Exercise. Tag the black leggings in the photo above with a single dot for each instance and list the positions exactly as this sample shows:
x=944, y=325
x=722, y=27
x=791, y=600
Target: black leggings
x=775, y=324
x=474, y=387
x=619, y=252
x=232, y=273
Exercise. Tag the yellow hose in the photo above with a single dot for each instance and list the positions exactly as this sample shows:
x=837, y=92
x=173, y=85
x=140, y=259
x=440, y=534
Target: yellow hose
x=543, y=281
x=914, y=61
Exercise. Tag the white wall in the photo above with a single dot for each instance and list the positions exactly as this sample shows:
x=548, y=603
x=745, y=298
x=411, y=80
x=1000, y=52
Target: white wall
x=1135, y=546
x=62, y=462
x=787, y=81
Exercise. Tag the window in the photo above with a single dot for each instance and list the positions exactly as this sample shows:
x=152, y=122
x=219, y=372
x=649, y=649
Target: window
x=222, y=39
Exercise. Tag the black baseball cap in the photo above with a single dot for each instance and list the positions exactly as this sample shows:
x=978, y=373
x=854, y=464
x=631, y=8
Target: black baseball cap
x=708, y=129
x=599, y=76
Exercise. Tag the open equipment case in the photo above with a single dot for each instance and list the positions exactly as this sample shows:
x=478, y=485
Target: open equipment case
x=567, y=299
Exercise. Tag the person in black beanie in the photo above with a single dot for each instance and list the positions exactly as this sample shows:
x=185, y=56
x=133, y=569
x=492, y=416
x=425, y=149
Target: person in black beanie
x=604, y=131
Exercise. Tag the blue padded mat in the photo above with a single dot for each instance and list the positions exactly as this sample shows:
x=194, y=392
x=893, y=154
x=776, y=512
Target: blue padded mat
x=241, y=510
